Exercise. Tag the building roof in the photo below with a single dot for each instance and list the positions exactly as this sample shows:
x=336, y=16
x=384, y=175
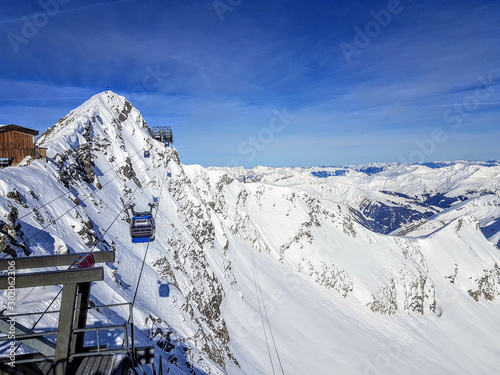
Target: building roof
x=22, y=129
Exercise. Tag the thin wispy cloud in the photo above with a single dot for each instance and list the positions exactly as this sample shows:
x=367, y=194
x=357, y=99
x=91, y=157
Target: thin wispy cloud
x=62, y=10
x=181, y=65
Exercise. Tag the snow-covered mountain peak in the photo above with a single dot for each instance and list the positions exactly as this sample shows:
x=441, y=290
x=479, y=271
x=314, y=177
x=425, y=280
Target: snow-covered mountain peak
x=333, y=263
x=104, y=117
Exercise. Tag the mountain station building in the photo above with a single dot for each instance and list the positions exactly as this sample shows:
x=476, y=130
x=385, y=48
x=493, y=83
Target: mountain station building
x=16, y=143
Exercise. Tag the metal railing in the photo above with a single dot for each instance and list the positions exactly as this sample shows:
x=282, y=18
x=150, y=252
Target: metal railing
x=127, y=327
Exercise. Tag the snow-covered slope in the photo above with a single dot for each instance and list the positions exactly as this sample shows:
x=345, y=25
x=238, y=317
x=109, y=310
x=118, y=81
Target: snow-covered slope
x=376, y=269
x=384, y=197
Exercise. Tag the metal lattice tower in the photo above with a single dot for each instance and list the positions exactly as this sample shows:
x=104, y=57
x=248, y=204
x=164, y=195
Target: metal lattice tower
x=163, y=134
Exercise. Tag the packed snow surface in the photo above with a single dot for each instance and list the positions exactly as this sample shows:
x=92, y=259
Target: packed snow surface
x=374, y=269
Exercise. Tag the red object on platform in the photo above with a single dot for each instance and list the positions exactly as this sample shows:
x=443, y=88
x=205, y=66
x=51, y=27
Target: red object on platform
x=87, y=261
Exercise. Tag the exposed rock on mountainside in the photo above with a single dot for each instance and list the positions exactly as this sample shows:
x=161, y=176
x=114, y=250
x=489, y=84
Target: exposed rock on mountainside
x=313, y=268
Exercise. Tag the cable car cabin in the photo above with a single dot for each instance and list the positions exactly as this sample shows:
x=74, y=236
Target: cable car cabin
x=146, y=154
x=142, y=227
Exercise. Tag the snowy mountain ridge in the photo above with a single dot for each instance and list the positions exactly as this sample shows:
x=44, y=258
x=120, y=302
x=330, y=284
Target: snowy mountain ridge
x=301, y=269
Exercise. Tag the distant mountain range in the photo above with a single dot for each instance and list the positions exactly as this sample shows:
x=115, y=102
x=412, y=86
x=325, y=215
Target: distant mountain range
x=369, y=269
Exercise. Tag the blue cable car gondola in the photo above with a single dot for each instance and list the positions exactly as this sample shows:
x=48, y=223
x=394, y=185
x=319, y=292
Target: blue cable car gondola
x=146, y=154
x=142, y=227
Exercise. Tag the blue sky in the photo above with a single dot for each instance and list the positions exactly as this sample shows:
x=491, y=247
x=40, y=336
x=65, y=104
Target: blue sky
x=274, y=83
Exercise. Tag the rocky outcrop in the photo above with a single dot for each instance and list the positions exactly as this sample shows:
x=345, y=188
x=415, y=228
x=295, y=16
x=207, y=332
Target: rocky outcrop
x=488, y=286
x=328, y=275
x=384, y=300
x=202, y=296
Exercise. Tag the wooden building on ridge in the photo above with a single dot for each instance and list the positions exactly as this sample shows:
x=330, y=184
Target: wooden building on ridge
x=18, y=142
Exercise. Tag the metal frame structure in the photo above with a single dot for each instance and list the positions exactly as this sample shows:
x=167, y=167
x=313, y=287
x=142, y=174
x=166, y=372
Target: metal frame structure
x=46, y=348
x=163, y=134
x=72, y=314
x=32, y=262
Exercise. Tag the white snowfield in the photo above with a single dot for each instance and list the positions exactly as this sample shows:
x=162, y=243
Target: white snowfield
x=270, y=270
